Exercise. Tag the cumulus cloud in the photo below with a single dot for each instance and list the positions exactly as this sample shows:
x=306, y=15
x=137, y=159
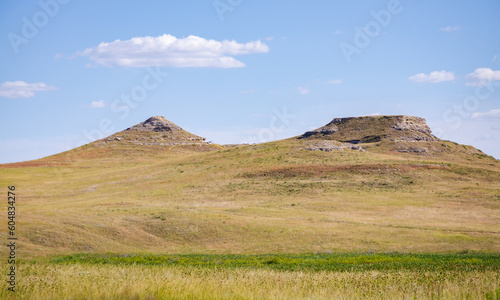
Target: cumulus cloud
x=303, y=90
x=450, y=28
x=21, y=89
x=433, y=77
x=334, y=81
x=492, y=114
x=167, y=50
x=97, y=104
x=483, y=76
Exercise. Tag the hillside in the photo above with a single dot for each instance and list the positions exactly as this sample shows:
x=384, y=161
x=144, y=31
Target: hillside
x=357, y=184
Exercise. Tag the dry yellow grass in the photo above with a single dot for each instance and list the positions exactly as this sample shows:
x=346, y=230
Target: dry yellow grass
x=268, y=198
x=44, y=281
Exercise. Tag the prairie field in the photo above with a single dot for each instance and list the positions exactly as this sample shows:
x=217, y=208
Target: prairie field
x=80, y=210
x=281, y=276
x=232, y=149
x=266, y=198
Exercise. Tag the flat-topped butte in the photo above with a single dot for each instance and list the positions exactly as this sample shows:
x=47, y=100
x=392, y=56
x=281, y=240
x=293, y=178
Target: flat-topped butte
x=371, y=129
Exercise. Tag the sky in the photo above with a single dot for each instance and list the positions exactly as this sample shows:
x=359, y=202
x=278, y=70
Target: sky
x=241, y=71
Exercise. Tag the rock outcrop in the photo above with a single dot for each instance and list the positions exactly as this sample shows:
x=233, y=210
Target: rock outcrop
x=372, y=129
x=329, y=146
x=155, y=131
x=156, y=124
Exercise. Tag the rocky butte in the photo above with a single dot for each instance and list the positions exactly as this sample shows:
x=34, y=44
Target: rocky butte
x=371, y=129
x=156, y=134
x=405, y=134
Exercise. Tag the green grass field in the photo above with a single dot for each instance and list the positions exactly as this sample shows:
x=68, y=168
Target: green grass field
x=276, y=276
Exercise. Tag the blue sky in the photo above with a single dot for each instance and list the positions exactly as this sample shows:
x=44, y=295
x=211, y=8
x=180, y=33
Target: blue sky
x=243, y=71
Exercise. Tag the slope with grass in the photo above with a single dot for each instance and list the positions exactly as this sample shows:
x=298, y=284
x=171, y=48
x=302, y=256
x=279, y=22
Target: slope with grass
x=159, y=189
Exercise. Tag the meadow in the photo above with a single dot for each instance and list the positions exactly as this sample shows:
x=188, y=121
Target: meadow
x=269, y=198
x=276, y=276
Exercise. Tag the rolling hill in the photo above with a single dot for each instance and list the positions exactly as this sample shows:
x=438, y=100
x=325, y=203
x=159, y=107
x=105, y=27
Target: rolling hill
x=378, y=183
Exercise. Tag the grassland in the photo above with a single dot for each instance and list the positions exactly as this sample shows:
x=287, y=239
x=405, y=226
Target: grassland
x=257, y=199
x=268, y=198
x=279, y=276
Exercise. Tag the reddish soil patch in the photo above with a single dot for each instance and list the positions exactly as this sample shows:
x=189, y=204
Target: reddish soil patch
x=29, y=164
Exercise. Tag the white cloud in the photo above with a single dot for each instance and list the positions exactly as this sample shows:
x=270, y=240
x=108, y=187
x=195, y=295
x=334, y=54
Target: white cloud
x=433, y=77
x=483, y=76
x=303, y=90
x=450, y=28
x=21, y=89
x=495, y=57
x=334, y=81
x=269, y=38
x=167, y=50
x=97, y=104
x=494, y=113
x=337, y=32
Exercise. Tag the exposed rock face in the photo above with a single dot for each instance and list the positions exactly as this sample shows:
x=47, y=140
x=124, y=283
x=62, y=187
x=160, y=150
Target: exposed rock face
x=418, y=150
x=411, y=123
x=155, y=131
x=329, y=146
x=156, y=124
x=372, y=129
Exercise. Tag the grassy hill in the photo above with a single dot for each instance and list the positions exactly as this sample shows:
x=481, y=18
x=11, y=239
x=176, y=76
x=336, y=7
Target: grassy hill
x=370, y=207
x=168, y=191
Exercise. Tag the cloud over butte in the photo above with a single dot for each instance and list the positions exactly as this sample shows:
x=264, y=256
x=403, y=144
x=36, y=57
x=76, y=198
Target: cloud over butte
x=167, y=50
